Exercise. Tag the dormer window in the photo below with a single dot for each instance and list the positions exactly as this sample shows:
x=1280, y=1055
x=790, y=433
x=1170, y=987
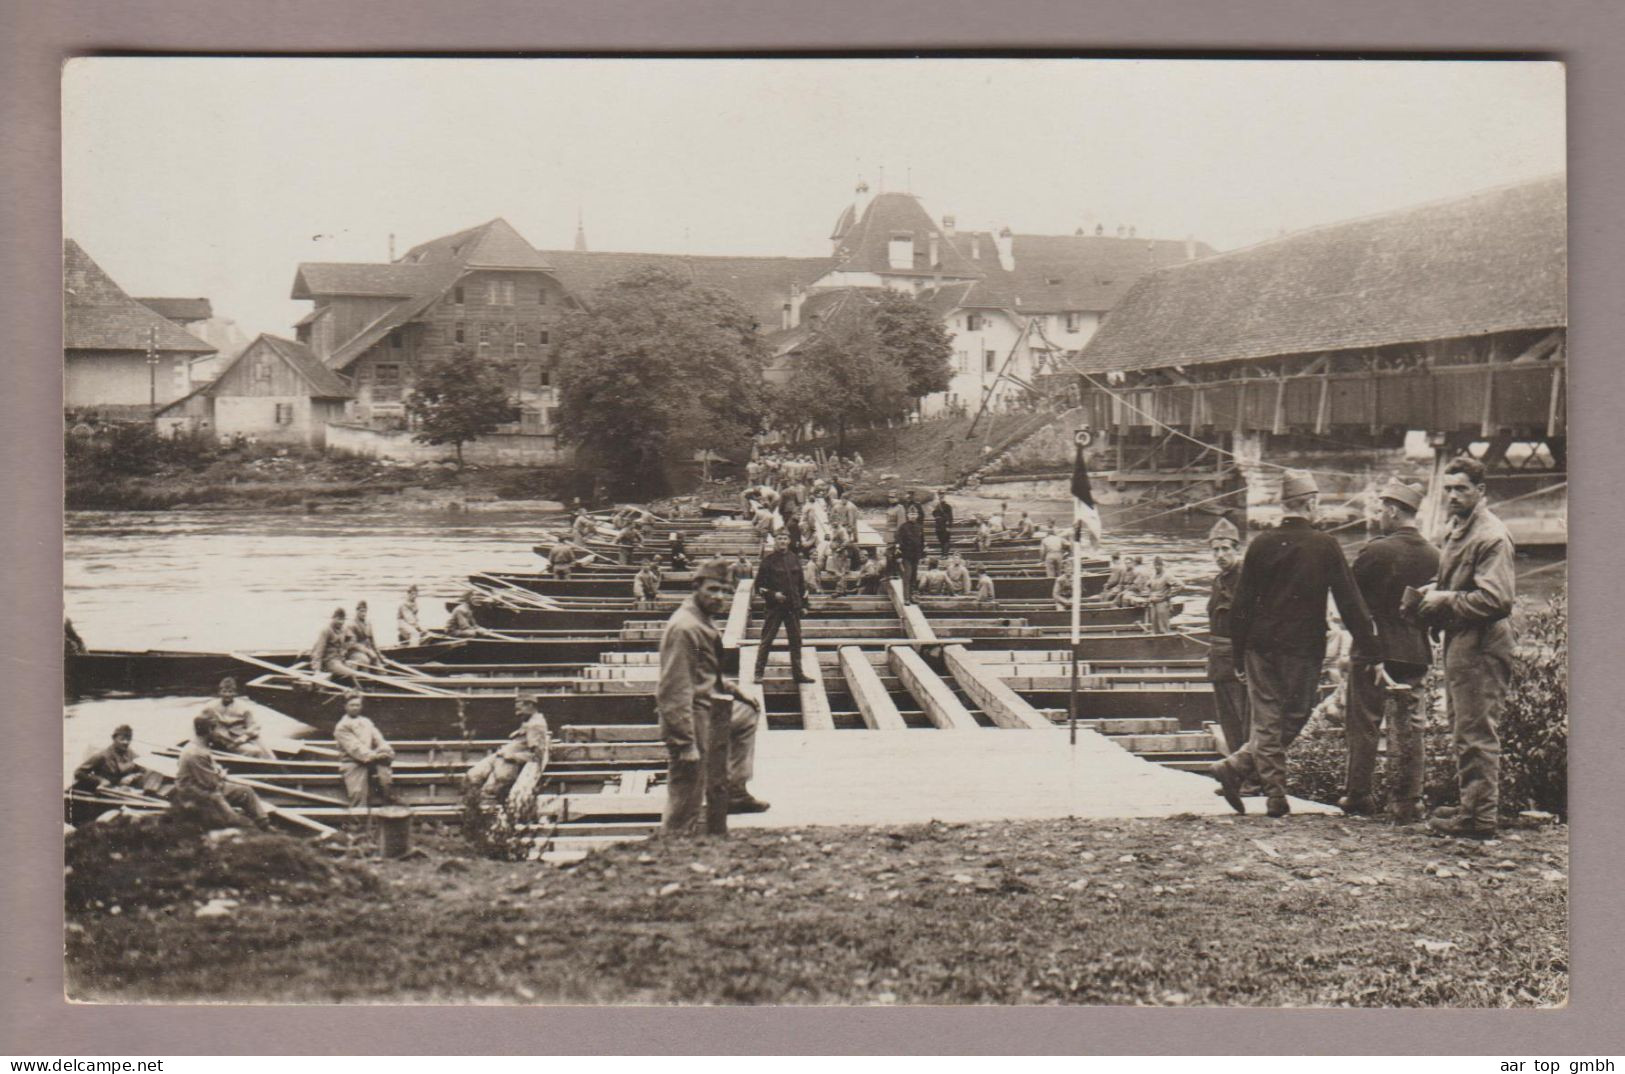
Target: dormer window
x=457, y=295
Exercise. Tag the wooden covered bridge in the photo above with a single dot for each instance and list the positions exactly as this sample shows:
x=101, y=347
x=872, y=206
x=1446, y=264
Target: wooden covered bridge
x=1449, y=318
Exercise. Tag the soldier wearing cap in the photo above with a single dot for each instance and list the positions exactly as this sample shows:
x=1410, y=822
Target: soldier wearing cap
x=1389, y=687
x=1470, y=605
x=1229, y=693
x=1278, y=637
x=708, y=723
x=366, y=755
x=235, y=729
x=462, y=624
x=495, y=774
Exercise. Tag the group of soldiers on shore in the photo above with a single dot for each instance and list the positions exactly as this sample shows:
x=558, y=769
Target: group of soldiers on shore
x=1268, y=621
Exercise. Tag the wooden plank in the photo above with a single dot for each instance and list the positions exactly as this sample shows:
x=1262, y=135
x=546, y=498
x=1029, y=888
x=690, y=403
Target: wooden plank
x=815, y=711
x=733, y=634
x=1002, y=704
x=915, y=625
x=941, y=707
x=874, y=703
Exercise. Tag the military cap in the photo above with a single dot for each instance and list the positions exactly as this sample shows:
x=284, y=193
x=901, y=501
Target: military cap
x=1224, y=530
x=713, y=570
x=1407, y=495
x=1297, y=483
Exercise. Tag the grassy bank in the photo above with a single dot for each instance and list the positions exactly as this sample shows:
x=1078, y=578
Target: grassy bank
x=1313, y=911
x=129, y=469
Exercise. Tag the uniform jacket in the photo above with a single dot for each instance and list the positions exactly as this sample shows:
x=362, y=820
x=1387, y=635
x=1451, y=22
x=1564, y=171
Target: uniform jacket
x=1281, y=598
x=958, y=577
x=690, y=673
x=359, y=739
x=330, y=643
x=233, y=725
x=1382, y=570
x=911, y=540
x=782, y=581
x=196, y=773
x=1221, y=599
x=461, y=622
x=1476, y=570
x=109, y=763
x=943, y=513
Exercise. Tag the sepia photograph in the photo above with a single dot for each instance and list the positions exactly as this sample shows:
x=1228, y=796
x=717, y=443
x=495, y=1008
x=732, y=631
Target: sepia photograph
x=815, y=532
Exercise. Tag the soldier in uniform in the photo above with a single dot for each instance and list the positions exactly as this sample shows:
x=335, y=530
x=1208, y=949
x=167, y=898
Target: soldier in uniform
x=1470, y=605
x=235, y=729
x=783, y=585
x=711, y=740
x=1390, y=688
x=1278, y=637
x=1229, y=693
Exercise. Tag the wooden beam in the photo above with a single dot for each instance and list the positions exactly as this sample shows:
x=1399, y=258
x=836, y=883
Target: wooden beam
x=733, y=634
x=996, y=698
x=1323, y=411
x=939, y=703
x=1278, y=423
x=878, y=710
x=1486, y=427
x=913, y=619
x=1554, y=407
x=815, y=713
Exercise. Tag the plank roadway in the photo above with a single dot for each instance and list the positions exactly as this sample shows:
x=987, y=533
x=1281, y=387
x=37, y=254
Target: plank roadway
x=911, y=777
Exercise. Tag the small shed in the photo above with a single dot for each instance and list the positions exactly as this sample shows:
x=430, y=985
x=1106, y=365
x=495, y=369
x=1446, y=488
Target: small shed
x=276, y=391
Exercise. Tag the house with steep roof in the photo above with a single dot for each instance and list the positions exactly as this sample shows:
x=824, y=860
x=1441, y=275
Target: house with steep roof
x=1014, y=304
x=484, y=290
x=276, y=391
x=120, y=357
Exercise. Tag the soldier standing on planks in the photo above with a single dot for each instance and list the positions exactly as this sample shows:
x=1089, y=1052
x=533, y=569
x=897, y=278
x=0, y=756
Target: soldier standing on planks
x=782, y=582
x=1278, y=637
x=707, y=722
x=1470, y=604
x=1390, y=689
x=1229, y=693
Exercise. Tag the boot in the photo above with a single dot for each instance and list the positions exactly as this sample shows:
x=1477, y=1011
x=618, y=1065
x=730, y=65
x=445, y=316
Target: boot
x=1461, y=827
x=1356, y=805
x=1277, y=807
x=1229, y=786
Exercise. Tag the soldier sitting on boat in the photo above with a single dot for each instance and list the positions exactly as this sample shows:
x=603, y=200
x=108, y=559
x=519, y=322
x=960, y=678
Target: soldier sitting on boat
x=408, y=631
x=462, y=624
x=113, y=765
x=1116, y=579
x=332, y=644
x=203, y=789
x=235, y=729
x=367, y=756
x=360, y=647
x=493, y=775
x=957, y=576
x=646, y=585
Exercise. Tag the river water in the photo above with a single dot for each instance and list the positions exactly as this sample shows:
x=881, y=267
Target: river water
x=224, y=580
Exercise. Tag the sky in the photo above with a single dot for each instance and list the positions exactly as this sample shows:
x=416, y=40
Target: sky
x=217, y=177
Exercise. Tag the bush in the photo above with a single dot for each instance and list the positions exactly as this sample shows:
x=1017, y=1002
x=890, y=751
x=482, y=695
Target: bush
x=1534, y=729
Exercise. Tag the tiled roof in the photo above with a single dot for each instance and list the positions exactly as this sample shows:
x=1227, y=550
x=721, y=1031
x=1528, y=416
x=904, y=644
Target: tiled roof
x=98, y=315
x=493, y=244
x=1065, y=273
x=179, y=310
x=324, y=383
x=865, y=246
x=1496, y=261
x=760, y=284
x=384, y=280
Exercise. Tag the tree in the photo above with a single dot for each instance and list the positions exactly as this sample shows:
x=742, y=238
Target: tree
x=654, y=369
x=912, y=334
x=843, y=375
x=459, y=398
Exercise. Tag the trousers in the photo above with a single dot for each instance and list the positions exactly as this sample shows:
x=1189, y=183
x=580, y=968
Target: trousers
x=945, y=538
x=1159, y=616
x=358, y=777
x=775, y=616
x=1371, y=706
x=1477, y=672
x=1280, y=697
x=227, y=807
x=911, y=578
x=698, y=792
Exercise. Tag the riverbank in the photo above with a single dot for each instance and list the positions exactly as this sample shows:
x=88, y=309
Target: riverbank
x=1314, y=911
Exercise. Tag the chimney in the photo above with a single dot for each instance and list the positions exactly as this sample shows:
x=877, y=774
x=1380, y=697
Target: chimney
x=948, y=225
x=798, y=295
x=860, y=201
x=1006, y=245
x=392, y=246
x=1190, y=247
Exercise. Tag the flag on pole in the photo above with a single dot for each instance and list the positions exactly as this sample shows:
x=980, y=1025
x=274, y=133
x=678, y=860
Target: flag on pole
x=1083, y=498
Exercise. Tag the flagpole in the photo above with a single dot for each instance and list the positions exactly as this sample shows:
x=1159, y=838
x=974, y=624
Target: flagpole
x=1077, y=620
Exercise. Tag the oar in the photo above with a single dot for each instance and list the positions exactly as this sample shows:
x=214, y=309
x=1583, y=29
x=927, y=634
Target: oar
x=404, y=684
x=295, y=671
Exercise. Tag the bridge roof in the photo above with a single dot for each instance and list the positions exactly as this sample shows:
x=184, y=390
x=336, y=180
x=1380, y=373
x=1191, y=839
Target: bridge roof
x=1496, y=261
